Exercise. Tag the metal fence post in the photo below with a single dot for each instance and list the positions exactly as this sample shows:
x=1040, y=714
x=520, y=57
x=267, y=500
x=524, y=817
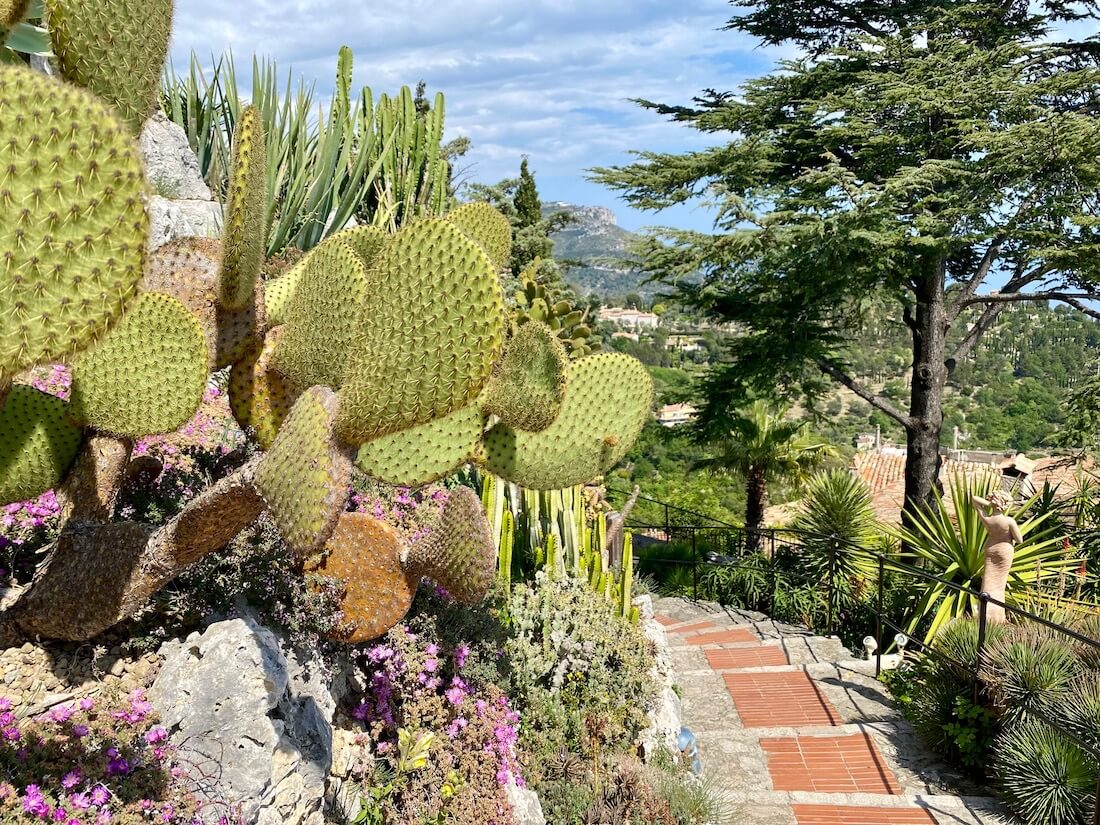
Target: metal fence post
x=878, y=614
x=983, y=609
x=668, y=526
x=694, y=567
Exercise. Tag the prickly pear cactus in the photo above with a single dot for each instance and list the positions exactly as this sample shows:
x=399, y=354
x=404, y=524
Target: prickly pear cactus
x=423, y=454
x=460, y=554
x=487, y=227
x=147, y=375
x=245, y=219
x=114, y=48
x=528, y=383
x=607, y=400
x=433, y=329
x=72, y=222
x=38, y=445
x=259, y=396
x=366, y=554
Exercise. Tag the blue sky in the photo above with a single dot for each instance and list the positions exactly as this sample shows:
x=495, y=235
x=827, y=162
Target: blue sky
x=550, y=79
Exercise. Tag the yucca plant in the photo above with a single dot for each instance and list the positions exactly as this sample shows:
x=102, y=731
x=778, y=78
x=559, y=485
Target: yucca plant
x=952, y=548
x=1079, y=710
x=1030, y=669
x=838, y=530
x=1047, y=778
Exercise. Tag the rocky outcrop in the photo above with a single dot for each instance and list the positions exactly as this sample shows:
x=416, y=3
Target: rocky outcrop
x=182, y=204
x=254, y=720
x=665, y=717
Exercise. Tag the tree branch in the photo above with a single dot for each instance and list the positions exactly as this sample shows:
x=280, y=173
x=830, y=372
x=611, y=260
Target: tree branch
x=1017, y=297
x=876, y=401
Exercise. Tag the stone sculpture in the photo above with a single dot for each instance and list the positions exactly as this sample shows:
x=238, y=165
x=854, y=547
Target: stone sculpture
x=1003, y=534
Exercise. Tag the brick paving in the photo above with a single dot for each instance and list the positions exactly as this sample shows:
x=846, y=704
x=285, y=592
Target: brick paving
x=851, y=815
x=779, y=700
x=742, y=657
x=798, y=734
x=829, y=764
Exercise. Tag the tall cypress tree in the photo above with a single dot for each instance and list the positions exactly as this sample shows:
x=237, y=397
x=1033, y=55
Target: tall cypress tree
x=940, y=155
x=528, y=205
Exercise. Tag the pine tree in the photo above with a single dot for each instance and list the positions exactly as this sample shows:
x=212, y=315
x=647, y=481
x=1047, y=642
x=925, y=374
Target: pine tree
x=528, y=205
x=936, y=155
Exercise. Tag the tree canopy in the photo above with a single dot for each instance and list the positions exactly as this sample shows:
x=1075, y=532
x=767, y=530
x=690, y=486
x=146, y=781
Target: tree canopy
x=942, y=156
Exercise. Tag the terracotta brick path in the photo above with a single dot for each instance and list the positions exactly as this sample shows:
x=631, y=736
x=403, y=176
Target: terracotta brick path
x=779, y=700
x=850, y=815
x=778, y=731
x=828, y=764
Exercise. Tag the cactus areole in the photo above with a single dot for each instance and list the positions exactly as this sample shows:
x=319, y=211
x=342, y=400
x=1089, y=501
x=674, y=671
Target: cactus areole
x=391, y=352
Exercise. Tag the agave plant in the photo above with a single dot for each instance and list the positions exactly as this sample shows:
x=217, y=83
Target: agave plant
x=1047, y=778
x=952, y=548
x=838, y=530
x=1030, y=669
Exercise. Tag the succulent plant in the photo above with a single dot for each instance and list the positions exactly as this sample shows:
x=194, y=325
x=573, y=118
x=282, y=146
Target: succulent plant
x=127, y=72
x=11, y=12
x=607, y=401
x=385, y=349
x=535, y=303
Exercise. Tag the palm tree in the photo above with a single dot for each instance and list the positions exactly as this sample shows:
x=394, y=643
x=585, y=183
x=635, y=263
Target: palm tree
x=762, y=447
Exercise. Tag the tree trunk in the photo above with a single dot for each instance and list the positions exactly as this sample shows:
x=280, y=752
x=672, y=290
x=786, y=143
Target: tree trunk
x=98, y=574
x=929, y=328
x=756, y=495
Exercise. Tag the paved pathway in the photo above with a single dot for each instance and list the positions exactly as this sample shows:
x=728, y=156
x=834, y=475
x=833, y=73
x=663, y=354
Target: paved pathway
x=802, y=734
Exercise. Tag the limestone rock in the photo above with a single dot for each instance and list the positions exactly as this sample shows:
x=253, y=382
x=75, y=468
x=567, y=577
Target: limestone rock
x=170, y=164
x=526, y=808
x=234, y=700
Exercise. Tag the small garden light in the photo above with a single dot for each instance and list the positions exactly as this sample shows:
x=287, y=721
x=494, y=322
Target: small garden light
x=870, y=644
x=901, y=640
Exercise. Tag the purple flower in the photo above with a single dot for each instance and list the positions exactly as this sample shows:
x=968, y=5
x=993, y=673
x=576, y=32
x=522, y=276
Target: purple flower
x=117, y=765
x=71, y=780
x=154, y=735
x=100, y=795
x=80, y=801
x=61, y=713
x=80, y=731
x=430, y=665
x=5, y=704
x=87, y=703
x=462, y=652
x=12, y=734
x=33, y=802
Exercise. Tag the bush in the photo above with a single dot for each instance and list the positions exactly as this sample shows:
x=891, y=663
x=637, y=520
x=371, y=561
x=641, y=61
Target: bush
x=92, y=762
x=1047, y=779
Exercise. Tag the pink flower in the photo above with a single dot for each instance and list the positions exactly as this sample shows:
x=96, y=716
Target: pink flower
x=71, y=780
x=156, y=734
x=100, y=795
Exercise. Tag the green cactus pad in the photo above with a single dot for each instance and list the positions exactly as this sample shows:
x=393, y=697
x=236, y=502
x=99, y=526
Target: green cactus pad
x=114, y=48
x=607, y=401
x=72, y=223
x=245, y=234
x=366, y=241
x=460, y=554
x=304, y=477
x=423, y=454
x=365, y=554
x=38, y=443
x=147, y=375
x=11, y=12
x=259, y=397
x=488, y=227
x=432, y=331
x=529, y=381
x=324, y=317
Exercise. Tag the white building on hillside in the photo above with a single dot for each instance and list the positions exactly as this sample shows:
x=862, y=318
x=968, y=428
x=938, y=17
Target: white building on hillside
x=674, y=415
x=633, y=318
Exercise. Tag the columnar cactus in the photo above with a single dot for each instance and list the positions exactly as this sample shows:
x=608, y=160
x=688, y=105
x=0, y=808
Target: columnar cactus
x=393, y=352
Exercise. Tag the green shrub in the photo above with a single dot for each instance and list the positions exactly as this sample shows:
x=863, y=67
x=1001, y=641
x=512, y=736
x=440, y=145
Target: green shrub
x=1029, y=670
x=1047, y=779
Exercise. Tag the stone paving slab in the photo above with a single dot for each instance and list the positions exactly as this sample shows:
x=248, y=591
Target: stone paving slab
x=829, y=764
x=783, y=699
x=851, y=815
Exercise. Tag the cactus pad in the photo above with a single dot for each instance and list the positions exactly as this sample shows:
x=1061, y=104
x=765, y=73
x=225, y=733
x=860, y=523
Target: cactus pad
x=11, y=12
x=367, y=241
x=259, y=397
x=38, y=443
x=488, y=227
x=147, y=375
x=423, y=454
x=529, y=381
x=278, y=292
x=608, y=397
x=304, y=477
x=245, y=234
x=432, y=331
x=114, y=48
x=324, y=317
x=72, y=223
x=460, y=553
x=366, y=554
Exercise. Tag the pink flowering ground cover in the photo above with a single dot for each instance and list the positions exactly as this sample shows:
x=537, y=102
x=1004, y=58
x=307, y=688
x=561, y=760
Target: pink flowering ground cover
x=417, y=693
x=95, y=761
